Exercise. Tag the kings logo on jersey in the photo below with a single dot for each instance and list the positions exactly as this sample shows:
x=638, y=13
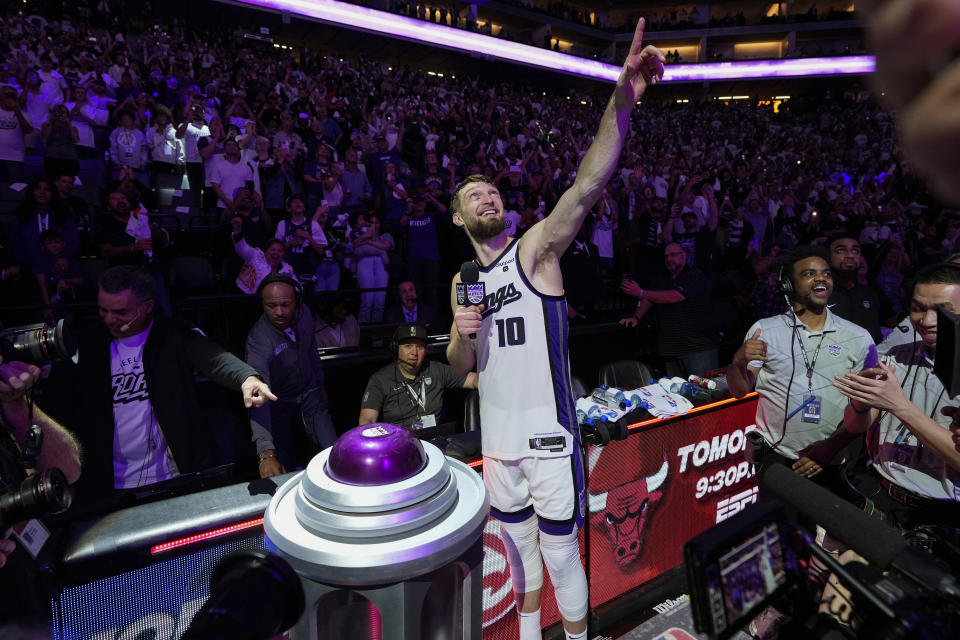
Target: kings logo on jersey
x=503, y=296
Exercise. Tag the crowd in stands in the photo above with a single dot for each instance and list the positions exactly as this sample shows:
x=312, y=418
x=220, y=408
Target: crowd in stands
x=339, y=171
x=460, y=15
x=214, y=163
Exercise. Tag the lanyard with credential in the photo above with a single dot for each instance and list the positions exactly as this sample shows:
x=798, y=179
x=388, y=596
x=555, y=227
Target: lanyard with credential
x=810, y=364
x=419, y=398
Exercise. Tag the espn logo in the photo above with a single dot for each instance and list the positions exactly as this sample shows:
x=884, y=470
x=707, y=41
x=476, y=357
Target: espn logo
x=735, y=503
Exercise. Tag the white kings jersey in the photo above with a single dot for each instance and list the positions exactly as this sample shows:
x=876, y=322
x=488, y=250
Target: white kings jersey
x=527, y=408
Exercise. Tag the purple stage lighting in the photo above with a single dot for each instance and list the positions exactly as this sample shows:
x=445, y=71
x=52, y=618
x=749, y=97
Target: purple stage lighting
x=348, y=15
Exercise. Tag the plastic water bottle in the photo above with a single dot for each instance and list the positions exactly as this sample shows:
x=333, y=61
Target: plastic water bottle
x=592, y=415
x=611, y=396
x=637, y=401
x=595, y=413
x=682, y=387
x=582, y=418
x=689, y=390
x=703, y=382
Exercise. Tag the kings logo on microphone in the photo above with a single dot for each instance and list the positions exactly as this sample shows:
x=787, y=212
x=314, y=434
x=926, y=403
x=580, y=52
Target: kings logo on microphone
x=476, y=292
x=473, y=293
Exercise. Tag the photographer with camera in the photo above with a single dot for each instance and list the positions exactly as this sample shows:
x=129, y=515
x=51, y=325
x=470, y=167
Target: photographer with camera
x=37, y=455
x=59, y=448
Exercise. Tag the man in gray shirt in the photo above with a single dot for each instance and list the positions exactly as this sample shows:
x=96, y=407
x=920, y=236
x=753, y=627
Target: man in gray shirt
x=791, y=360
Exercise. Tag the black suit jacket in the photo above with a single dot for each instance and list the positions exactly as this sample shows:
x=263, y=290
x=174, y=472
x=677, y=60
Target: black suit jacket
x=425, y=315
x=172, y=353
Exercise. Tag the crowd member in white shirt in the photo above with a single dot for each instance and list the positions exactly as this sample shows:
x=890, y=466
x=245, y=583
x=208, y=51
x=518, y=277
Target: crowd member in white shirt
x=229, y=174
x=51, y=82
x=128, y=145
x=13, y=128
x=257, y=263
x=36, y=105
x=166, y=150
x=605, y=221
x=85, y=116
x=193, y=128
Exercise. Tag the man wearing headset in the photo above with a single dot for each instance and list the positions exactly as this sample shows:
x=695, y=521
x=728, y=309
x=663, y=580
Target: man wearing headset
x=791, y=359
x=409, y=392
x=280, y=346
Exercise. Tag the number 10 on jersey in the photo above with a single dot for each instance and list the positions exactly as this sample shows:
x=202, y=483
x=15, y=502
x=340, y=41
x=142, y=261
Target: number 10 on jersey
x=511, y=331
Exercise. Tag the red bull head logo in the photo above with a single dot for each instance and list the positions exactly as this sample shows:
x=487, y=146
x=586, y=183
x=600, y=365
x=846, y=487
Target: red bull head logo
x=624, y=510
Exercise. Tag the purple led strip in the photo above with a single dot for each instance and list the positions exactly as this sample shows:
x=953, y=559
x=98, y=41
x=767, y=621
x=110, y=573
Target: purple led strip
x=389, y=24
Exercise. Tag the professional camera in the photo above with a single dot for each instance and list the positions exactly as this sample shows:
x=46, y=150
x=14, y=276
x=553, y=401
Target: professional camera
x=762, y=558
x=254, y=595
x=38, y=344
x=38, y=495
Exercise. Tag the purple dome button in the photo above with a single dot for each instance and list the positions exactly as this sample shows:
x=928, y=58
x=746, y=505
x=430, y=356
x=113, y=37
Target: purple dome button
x=376, y=454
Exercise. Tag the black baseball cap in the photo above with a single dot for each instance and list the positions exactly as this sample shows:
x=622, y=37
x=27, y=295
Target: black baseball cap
x=410, y=331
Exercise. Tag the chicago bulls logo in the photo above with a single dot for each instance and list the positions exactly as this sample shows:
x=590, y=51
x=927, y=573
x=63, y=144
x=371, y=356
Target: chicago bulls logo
x=624, y=510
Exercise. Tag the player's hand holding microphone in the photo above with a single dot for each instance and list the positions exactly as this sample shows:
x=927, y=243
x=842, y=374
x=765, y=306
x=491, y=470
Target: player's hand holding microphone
x=469, y=294
x=468, y=321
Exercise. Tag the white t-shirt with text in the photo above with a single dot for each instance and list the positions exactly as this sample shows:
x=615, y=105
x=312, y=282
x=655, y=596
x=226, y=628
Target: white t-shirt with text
x=140, y=453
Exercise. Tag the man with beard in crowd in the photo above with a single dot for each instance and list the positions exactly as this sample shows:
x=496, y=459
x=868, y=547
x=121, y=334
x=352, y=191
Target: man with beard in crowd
x=858, y=303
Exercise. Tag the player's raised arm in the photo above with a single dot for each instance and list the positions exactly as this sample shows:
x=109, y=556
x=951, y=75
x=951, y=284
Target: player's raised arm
x=643, y=66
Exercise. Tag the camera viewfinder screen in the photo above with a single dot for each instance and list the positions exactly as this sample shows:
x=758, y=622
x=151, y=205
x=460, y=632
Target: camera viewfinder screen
x=750, y=572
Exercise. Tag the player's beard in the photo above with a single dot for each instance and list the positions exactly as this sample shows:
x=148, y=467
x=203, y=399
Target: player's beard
x=485, y=228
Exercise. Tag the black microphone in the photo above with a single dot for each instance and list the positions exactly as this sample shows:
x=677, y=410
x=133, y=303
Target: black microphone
x=470, y=290
x=875, y=540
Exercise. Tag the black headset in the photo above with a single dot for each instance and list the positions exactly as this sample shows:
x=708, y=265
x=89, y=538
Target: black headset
x=282, y=278
x=405, y=331
x=786, y=283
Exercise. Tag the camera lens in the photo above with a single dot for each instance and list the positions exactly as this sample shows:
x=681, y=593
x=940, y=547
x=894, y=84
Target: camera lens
x=38, y=344
x=40, y=494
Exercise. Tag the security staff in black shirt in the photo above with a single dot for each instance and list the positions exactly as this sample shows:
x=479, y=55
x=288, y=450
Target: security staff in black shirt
x=409, y=392
x=686, y=333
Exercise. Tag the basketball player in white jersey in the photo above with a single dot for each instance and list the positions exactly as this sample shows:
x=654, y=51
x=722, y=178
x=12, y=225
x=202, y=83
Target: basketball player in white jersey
x=517, y=339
